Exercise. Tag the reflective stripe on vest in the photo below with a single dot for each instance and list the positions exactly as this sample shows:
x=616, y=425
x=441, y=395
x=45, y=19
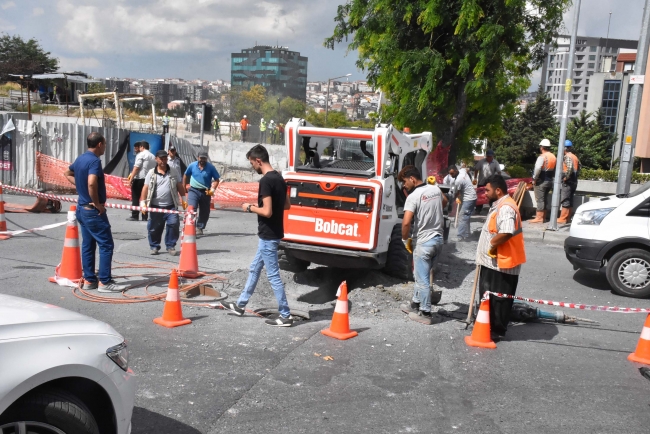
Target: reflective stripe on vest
x=512, y=252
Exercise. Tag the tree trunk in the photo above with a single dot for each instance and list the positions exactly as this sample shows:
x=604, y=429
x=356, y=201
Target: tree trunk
x=448, y=135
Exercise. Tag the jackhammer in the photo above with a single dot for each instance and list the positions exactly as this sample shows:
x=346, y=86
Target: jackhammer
x=523, y=312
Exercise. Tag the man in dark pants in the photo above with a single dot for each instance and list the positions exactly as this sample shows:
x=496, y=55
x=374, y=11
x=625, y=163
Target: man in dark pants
x=203, y=179
x=272, y=201
x=87, y=175
x=500, y=253
x=144, y=162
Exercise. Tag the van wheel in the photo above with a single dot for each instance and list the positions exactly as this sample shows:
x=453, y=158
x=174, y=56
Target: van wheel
x=49, y=411
x=288, y=262
x=399, y=262
x=628, y=273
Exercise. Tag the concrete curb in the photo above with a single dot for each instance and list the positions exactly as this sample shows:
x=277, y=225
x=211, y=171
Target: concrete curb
x=546, y=237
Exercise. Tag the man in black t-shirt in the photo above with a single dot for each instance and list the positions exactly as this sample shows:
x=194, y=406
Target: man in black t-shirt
x=272, y=200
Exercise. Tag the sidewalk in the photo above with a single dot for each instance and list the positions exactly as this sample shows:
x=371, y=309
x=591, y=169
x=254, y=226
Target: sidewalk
x=537, y=232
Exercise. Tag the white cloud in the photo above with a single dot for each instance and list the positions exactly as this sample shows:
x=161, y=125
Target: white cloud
x=8, y=5
x=69, y=64
x=6, y=26
x=38, y=11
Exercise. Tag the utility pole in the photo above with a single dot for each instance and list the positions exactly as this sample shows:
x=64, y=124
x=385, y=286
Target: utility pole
x=632, y=122
x=557, y=184
x=202, y=112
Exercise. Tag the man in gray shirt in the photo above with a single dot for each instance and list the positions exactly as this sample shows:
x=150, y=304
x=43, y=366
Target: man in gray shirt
x=162, y=187
x=465, y=195
x=485, y=168
x=423, y=206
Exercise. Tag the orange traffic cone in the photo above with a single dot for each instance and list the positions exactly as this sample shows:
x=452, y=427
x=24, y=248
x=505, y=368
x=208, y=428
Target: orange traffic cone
x=642, y=352
x=69, y=270
x=189, y=262
x=172, y=313
x=340, y=327
x=481, y=333
x=3, y=220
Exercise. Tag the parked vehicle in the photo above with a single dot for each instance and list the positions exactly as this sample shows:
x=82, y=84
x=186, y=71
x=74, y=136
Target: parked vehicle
x=61, y=372
x=346, y=203
x=611, y=235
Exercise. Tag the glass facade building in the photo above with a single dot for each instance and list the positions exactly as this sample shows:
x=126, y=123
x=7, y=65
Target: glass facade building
x=610, y=102
x=280, y=71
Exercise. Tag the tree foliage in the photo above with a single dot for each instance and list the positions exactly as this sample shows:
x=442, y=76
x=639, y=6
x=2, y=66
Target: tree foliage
x=522, y=131
x=453, y=67
x=335, y=119
x=592, y=141
x=18, y=56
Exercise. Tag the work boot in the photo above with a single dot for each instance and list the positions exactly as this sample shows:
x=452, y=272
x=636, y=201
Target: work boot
x=199, y=231
x=423, y=317
x=564, y=216
x=410, y=307
x=539, y=217
x=172, y=251
x=154, y=251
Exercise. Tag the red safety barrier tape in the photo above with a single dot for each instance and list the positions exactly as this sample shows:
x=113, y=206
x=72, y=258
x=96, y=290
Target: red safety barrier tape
x=74, y=200
x=486, y=296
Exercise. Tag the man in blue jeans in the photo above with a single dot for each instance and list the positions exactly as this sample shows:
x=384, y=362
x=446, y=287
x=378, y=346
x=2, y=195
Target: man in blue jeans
x=423, y=209
x=203, y=179
x=465, y=194
x=87, y=175
x=272, y=201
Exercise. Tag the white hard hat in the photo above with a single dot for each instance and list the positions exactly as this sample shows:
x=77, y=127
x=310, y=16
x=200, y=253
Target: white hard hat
x=271, y=120
x=262, y=119
x=244, y=116
x=545, y=143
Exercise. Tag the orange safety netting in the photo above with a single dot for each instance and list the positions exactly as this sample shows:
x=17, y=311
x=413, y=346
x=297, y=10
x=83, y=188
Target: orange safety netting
x=50, y=171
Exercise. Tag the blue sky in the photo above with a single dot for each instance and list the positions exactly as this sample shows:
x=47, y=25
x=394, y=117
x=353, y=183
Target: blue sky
x=194, y=38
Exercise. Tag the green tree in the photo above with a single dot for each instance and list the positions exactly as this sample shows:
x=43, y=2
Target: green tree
x=250, y=103
x=18, y=56
x=96, y=88
x=452, y=67
x=592, y=141
x=522, y=131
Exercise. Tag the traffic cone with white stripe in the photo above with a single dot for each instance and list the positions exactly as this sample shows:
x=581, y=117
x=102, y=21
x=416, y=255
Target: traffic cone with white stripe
x=69, y=269
x=642, y=352
x=481, y=333
x=189, y=262
x=3, y=220
x=340, y=327
x=172, y=312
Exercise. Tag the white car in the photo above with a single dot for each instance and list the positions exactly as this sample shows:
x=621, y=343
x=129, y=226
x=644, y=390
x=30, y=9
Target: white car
x=61, y=372
x=611, y=235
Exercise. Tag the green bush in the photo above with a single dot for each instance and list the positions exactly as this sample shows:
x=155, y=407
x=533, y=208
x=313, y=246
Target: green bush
x=518, y=172
x=611, y=176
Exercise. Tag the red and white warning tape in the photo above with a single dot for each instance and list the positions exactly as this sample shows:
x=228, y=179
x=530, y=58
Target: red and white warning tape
x=74, y=200
x=486, y=296
x=42, y=228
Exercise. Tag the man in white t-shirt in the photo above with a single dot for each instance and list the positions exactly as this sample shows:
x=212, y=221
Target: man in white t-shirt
x=465, y=195
x=144, y=162
x=423, y=209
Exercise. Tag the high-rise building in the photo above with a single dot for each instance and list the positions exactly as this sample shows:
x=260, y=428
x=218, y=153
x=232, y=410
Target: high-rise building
x=280, y=71
x=590, y=55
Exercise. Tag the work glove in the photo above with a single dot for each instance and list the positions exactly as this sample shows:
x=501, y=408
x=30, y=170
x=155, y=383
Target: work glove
x=184, y=203
x=143, y=204
x=409, y=245
x=492, y=251
x=458, y=201
x=431, y=180
x=474, y=182
x=210, y=192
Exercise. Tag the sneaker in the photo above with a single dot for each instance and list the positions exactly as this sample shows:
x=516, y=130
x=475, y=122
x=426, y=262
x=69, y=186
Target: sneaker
x=199, y=231
x=410, y=307
x=279, y=321
x=239, y=311
x=172, y=252
x=112, y=286
x=423, y=318
x=154, y=251
x=89, y=285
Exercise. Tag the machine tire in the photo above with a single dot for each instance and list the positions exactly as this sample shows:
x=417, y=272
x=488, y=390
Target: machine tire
x=621, y=265
x=54, y=408
x=399, y=262
x=288, y=262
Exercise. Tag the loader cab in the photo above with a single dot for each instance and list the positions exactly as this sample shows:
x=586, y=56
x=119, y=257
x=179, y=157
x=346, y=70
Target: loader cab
x=414, y=158
x=338, y=156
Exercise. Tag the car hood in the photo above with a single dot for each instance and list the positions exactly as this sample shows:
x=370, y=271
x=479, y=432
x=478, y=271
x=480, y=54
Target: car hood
x=22, y=318
x=604, y=202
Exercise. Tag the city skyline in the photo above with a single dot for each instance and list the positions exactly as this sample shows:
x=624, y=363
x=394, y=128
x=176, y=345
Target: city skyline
x=194, y=39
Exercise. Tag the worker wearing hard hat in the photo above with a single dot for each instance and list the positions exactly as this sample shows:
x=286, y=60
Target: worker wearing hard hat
x=543, y=178
x=570, y=172
x=262, y=131
x=244, y=128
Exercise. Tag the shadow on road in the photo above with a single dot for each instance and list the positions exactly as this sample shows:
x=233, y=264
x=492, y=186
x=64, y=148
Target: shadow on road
x=532, y=331
x=147, y=422
x=592, y=279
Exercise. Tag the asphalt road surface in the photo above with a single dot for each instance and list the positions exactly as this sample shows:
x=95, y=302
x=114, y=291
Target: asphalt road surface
x=225, y=374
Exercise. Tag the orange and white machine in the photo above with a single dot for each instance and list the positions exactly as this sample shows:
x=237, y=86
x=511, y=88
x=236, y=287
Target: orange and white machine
x=346, y=204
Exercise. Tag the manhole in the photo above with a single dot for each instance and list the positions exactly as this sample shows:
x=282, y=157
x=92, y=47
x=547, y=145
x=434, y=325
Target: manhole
x=127, y=236
x=202, y=294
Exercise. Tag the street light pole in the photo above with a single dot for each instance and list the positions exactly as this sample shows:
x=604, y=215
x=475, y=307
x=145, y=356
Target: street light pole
x=632, y=121
x=557, y=184
x=327, y=101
